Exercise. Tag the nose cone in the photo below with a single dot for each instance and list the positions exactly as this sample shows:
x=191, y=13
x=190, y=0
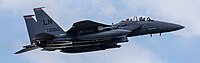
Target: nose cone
x=172, y=27
x=177, y=27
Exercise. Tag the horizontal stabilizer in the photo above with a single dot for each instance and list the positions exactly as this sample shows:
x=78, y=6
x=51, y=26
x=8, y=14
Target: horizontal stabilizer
x=26, y=50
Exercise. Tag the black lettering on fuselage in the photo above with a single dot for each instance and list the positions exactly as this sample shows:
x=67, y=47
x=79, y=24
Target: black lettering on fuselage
x=47, y=22
x=54, y=29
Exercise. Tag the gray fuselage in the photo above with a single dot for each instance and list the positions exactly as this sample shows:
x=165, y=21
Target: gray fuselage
x=148, y=27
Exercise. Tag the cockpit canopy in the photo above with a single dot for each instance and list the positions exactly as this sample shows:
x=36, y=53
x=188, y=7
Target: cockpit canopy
x=138, y=18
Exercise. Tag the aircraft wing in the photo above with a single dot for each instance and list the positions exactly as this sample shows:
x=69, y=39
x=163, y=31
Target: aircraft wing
x=26, y=50
x=85, y=26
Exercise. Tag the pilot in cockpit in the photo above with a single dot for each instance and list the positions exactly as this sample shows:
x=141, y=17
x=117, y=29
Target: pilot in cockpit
x=141, y=19
x=148, y=19
x=136, y=18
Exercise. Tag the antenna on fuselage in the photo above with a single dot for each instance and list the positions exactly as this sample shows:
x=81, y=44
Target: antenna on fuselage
x=160, y=34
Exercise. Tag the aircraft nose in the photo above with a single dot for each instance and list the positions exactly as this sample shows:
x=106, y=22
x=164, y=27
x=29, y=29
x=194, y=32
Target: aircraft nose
x=173, y=27
x=179, y=27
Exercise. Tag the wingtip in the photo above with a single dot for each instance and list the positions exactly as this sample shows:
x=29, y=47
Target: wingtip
x=18, y=52
x=25, y=50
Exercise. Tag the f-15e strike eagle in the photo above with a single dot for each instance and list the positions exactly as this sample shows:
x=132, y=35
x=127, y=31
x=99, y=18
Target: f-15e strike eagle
x=87, y=35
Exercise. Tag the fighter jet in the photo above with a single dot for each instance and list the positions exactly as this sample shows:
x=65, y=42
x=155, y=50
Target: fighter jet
x=87, y=35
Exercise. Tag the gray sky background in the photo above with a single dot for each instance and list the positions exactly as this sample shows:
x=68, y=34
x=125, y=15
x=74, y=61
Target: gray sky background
x=174, y=47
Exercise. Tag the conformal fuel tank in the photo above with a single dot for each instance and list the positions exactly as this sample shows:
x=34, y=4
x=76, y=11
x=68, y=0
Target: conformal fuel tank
x=105, y=34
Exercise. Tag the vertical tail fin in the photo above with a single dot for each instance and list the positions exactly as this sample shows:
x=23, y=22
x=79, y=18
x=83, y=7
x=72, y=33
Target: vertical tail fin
x=31, y=25
x=47, y=23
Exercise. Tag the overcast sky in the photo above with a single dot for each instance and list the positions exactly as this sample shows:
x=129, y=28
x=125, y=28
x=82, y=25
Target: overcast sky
x=180, y=46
